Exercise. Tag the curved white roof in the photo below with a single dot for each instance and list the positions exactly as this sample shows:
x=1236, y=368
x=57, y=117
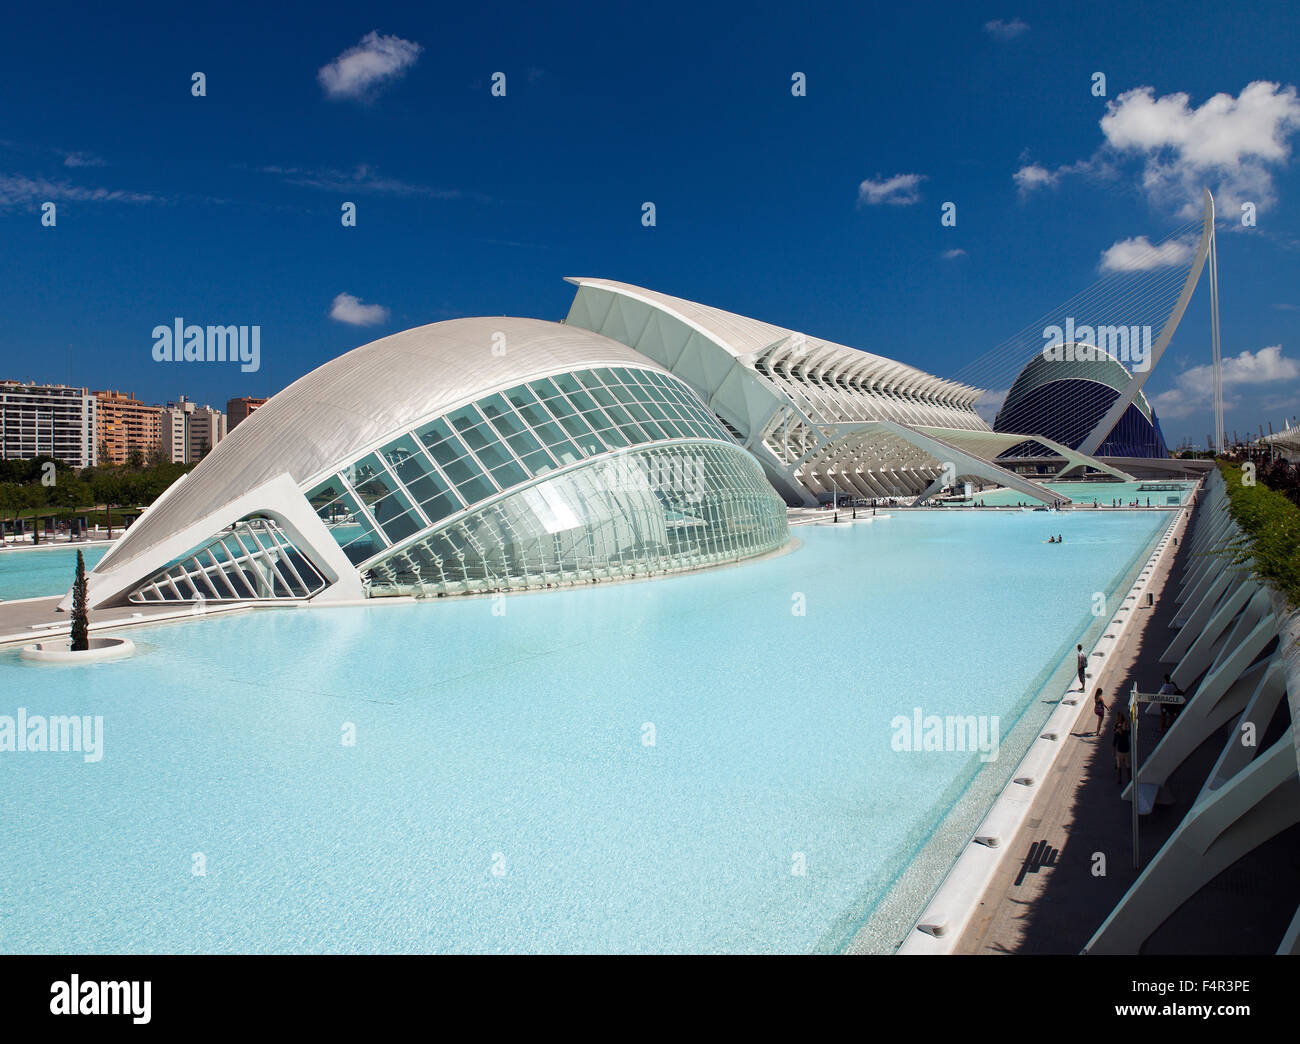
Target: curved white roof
x=743, y=336
x=381, y=389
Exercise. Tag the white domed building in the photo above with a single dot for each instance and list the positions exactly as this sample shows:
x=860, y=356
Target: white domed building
x=470, y=455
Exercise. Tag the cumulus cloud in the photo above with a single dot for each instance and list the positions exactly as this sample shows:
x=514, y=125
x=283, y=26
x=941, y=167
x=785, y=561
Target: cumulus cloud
x=1233, y=145
x=953, y=254
x=1140, y=255
x=362, y=71
x=1193, y=389
x=349, y=309
x=1005, y=28
x=900, y=190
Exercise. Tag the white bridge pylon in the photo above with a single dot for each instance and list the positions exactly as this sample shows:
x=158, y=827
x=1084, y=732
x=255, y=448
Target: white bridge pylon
x=1204, y=249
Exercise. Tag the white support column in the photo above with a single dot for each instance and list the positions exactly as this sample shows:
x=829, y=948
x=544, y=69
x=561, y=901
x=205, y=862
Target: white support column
x=1231, y=585
x=1237, y=754
x=1242, y=607
x=1291, y=940
x=1257, y=804
x=1197, y=723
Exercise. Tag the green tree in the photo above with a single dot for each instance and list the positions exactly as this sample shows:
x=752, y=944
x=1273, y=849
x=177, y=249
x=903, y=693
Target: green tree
x=32, y=499
x=80, y=617
x=70, y=493
x=13, y=499
x=106, y=487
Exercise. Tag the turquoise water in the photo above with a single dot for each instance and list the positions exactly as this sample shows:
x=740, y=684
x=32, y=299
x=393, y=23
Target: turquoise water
x=517, y=743
x=1086, y=492
x=33, y=573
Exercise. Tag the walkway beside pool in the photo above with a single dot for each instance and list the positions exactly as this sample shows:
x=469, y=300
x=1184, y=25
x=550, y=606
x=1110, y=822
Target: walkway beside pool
x=31, y=619
x=1048, y=897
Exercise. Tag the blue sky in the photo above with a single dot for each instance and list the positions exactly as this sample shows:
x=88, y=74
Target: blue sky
x=225, y=208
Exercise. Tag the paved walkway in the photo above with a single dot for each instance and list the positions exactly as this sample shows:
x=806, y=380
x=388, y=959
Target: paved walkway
x=1047, y=897
x=31, y=619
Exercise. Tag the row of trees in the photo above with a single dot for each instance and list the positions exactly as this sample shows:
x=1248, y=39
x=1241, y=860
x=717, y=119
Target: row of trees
x=43, y=486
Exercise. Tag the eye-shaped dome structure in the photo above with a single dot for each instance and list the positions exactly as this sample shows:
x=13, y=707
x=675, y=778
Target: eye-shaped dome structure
x=1064, y=398
x=467, y=455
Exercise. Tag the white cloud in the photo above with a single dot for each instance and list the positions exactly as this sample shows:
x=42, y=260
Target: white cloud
x=350, y=310
x=953, y=254
x=19, y=190
x=1005, y=29
x=82, y=159
x=1193, y=389
x=1229, y=142
x=1140, y=255
x=361, y=71
x=1233, y=145
x=900, y=190
x=361, y=178
x=1034, y=176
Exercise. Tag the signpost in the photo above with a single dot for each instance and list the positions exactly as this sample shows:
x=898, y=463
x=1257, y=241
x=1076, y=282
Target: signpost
x=1138, y=699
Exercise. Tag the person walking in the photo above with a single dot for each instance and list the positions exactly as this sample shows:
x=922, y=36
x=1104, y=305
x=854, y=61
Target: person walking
x=1082, y=659
x=1120, y=741
x=1099, y=709
x=1168, y=711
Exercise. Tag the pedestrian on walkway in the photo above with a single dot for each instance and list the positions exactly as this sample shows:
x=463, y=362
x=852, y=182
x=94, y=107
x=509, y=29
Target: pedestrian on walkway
x=1083, y=669
x=1168, y=711
x=1099, y=709
x=1120, y=741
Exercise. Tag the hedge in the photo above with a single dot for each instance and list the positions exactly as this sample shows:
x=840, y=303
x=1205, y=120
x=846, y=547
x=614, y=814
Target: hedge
x=1271, y=524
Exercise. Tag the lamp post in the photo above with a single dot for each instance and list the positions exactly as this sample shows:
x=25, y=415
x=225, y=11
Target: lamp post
x=1135, y=772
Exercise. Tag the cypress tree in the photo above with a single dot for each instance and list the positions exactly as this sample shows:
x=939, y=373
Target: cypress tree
x=80, y=618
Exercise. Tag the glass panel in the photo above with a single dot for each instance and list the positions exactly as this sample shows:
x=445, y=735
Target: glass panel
x=434, y=496
x=501, y=416
x=544, y=389
x=494, y=455
x=539, y=463
x=582, y=400
x=406, y=459
x=447, y=452
x=433, y=433
x=396, y=517
x=509, y=474
x=566, y=382
x=471, y=483
x=323, y=496
x=673, y=508
x=614, y=438
x=370, y=480
x=524, y=443
x=471, y=428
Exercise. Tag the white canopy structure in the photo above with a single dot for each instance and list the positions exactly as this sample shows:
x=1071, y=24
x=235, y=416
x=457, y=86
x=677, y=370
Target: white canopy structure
x=819, y=416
